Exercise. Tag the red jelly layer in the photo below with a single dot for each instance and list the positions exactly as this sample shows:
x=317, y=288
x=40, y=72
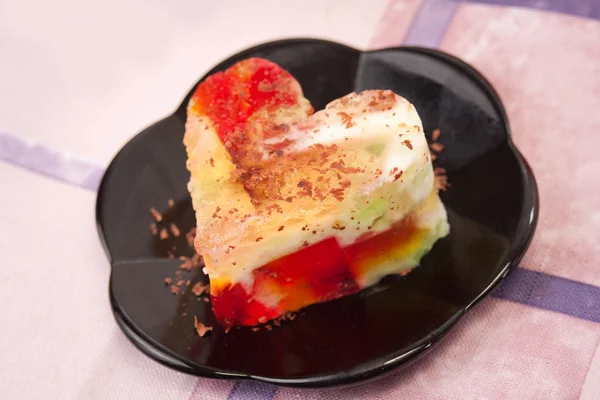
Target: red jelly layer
x=244, y=96
x=318, y=273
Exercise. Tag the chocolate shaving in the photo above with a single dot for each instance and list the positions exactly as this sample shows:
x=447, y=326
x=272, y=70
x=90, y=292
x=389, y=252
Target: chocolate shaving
x=189, y=264
x=338, y=193
x=341, y=166
x=201, y=329
x=319, y=193
x=163, y=234
x=190, y=237
x=274, y=207
x=338, y=226
x=175, y=230
x=346, y=119
x=441, y=182
x=436, y=147
x=155, y=214
x=199, y=289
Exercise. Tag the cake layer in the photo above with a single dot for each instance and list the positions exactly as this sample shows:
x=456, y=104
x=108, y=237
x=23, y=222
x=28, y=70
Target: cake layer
x=326, y=271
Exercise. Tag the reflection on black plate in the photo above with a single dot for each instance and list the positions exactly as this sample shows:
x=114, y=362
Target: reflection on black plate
x=492, y=207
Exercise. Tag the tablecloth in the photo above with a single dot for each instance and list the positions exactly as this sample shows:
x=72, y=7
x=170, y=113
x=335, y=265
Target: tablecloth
x=78, y=79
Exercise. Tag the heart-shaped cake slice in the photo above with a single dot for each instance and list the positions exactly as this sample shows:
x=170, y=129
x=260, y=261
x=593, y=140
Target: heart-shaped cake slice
x=295, y=208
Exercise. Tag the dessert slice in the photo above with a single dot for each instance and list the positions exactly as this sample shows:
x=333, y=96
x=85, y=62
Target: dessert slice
x=295, y=208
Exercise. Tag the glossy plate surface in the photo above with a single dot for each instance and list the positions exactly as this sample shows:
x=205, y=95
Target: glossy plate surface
x=492, y=207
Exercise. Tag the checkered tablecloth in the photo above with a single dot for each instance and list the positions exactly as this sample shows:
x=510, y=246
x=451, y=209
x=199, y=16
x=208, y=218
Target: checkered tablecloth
x=78, y=79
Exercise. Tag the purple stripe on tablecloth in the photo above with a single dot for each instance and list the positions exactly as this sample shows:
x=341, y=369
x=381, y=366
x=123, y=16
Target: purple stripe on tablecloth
x=431, y=23
x=252, y=390
x=46, y=161
x=582, y=8
x=551, y=292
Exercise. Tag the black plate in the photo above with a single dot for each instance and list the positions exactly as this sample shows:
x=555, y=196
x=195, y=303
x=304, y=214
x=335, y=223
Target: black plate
x=492, y=206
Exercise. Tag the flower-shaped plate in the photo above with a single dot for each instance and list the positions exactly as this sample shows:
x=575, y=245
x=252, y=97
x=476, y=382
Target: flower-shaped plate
x=492, y=207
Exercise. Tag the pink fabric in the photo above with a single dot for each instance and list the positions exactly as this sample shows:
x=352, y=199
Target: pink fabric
x=58, y=338
x=496, y=352
x=591, y=387
x=90, y=66
x=546, y=68
x=395, y=24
